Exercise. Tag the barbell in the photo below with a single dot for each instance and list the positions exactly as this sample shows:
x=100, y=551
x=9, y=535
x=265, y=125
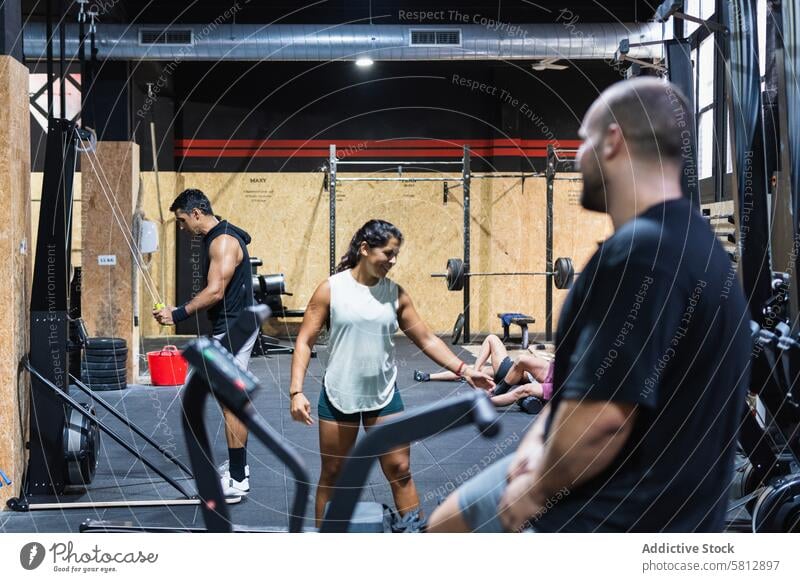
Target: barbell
x=563, y=274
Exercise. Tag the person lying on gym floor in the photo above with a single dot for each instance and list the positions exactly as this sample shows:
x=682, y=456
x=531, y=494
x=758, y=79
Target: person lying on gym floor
x=652, y=353
x=364, y=309
x=526, y=376
x=228, y=292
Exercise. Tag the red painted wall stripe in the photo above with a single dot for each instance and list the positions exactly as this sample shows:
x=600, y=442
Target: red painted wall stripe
x=399, y=148
x=370, y=144
x=399, y=154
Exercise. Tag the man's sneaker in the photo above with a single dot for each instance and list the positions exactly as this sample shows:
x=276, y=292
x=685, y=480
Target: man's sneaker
x=230, y=486
x=225, y=469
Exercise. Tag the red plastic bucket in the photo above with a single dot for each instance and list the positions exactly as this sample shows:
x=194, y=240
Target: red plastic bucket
x=167, y=367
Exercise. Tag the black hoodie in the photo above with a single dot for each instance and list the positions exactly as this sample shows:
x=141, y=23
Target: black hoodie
x=239, y=291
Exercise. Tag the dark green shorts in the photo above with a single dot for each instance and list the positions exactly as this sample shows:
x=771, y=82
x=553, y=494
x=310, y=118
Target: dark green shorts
x=327, y=411
x=503, y=369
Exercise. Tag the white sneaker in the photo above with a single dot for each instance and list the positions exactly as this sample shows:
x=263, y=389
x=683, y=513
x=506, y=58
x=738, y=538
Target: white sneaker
x=224, y=469
x=230, y=486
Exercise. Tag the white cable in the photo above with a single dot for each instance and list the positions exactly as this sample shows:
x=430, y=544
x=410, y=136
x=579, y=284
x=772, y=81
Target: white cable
x=119, y=209
x=125, y=232
x=129, y=243
x=135, y=253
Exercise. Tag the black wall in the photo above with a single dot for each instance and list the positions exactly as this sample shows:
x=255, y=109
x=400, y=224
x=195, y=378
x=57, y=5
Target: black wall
x=338, y=101
x=11, y=29
x=333, y=102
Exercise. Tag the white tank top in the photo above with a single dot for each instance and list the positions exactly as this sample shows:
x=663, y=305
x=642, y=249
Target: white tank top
x=361, y=371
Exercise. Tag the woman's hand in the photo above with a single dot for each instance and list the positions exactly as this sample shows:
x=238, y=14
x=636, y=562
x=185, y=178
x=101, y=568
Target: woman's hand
x=300, y=408
x=478, y=379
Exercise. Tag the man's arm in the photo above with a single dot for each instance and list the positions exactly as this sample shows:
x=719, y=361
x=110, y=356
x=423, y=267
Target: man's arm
x=225, y=254
x=586, y=436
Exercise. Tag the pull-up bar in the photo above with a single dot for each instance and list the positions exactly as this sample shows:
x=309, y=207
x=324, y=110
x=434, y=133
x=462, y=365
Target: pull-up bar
x=464, y=181
x=393, y=163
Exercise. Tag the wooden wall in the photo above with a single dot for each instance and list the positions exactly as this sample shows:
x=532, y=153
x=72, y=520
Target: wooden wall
x=108, y=291
x=15, y=270
x=36, y=200
x=287, y=216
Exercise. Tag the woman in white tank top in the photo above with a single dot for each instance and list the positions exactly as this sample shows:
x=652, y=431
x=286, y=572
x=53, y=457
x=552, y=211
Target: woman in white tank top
x=364, y=309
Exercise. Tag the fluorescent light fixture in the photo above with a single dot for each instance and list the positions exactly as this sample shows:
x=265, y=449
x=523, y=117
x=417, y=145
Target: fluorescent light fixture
x=364, y=62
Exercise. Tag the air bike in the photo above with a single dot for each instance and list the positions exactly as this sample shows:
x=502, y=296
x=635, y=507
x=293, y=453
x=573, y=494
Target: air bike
x=215, y=371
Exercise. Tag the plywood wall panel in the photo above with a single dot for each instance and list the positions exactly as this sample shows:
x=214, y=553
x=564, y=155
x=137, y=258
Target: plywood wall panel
x=576, y=231
x=36, y=199
x=15, y=270
x=287, y=216
x=109, y=193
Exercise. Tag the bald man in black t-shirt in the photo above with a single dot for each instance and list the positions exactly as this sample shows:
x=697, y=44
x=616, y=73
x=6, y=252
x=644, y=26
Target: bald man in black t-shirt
x=652, y=353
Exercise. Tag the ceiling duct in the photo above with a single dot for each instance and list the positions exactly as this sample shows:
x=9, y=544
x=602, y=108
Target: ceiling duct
x=386, y=42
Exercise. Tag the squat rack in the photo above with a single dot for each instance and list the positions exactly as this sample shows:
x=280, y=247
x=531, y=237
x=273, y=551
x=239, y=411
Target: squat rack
x=465, y=181
x=554, y=164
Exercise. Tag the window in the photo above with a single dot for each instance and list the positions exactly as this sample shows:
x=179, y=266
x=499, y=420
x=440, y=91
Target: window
x=705, y=143
x=729, y=160
x=705, y=72
x=703, y=9
x=761, y=17
x=707, y=9
x=692, y=8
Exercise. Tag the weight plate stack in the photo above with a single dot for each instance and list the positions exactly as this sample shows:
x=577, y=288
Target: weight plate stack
x=455, y=274
x=104, y=363
x=105, y=350
x=564, y=273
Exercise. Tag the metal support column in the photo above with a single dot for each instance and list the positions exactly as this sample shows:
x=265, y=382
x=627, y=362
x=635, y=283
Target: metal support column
x=62, y=66
x=750, y=201
x=332, y=207
x=49, y=59
x=550, y=174
x=720, y=137
x=465, y=183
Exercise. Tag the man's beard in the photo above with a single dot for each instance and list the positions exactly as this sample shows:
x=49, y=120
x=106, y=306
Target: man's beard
x=593, y=196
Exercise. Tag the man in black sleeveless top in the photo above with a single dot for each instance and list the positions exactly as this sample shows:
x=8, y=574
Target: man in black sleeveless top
x=652, y=353
x=227, y=293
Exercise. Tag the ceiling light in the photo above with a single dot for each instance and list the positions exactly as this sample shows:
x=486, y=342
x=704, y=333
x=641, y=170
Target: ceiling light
x=364, y=62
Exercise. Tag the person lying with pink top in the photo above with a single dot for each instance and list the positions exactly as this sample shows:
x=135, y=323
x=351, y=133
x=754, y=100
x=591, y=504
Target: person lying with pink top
x=516, y=380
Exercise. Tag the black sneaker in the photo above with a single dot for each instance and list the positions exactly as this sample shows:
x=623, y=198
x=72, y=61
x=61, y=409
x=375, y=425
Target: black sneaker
x=421, y=376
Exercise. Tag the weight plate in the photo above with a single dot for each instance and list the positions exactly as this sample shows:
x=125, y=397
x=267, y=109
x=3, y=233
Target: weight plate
x=81, y=443
x=104, y=352
x=89, y=377
x=118, y=362
x=778, y=507
x=108, y=387
x=455, y=274
x=745, y=481
x=94, y=369
x=458, y=329
x=105, y=343
x=98, y=367
x=564, y=273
